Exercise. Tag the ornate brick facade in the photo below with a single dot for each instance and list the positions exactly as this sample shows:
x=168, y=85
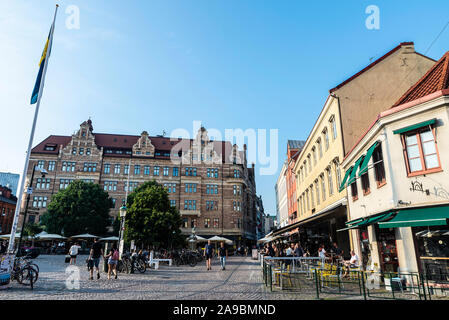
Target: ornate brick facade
x=208, y=181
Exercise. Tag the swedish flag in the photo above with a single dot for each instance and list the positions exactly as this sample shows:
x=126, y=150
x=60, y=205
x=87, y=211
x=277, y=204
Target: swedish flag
x=42, y=66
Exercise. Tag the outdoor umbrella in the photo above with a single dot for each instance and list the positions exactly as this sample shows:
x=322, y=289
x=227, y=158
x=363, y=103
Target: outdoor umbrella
x=110, y=239
x=49, y=236
x=85, y=236
x=219, y=239
x=198, y=239
x=7, y=236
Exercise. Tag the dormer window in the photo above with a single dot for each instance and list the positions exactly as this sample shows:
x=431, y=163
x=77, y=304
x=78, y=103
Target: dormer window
x=83, y=133
x=50, y=147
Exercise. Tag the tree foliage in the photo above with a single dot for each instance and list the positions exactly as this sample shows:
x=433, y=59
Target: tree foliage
x=81, y=208
x=31, y=229
x=150, y=219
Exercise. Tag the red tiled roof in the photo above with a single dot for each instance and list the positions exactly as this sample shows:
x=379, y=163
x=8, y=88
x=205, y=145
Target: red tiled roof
x=436, y=79
x=51, y=140
x=373, y=64
x=117, y=141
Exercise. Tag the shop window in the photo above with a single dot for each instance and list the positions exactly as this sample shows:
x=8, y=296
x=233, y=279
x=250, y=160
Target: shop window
x=379, y=169
x=354, y=192
x=420, y=152
x=365, y=184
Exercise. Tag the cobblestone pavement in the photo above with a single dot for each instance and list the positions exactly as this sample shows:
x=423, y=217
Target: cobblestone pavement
x=242, y=279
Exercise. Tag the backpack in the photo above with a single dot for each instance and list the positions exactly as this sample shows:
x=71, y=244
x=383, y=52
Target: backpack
x=115, y=255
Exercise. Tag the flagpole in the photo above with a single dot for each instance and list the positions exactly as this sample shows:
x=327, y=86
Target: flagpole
x=30, y=144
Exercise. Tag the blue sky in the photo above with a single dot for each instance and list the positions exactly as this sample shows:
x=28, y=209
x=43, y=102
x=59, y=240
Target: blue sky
x=159, y=65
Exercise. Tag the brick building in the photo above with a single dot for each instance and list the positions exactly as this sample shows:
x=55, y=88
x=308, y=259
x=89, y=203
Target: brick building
x=208, y=181
x=7, y=208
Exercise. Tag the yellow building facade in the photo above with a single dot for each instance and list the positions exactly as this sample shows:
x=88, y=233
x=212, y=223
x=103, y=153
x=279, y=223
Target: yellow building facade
x=321, y=206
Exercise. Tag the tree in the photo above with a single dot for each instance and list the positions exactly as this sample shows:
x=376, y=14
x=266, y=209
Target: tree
x=81, y=208
x=150, y=218
x=31, y=229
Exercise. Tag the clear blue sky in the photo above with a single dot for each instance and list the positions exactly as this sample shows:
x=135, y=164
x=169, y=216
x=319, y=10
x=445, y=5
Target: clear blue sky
x=159, y=65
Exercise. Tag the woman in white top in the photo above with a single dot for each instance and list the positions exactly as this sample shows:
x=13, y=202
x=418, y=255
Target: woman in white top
x=73, y=252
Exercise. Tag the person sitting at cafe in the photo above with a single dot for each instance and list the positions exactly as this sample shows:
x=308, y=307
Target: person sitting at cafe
x=354, y=262
x=321, y=252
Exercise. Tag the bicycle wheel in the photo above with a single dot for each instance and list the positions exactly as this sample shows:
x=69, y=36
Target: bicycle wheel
x=192, y=261
x=121, y=267
x=177, y=261
x=140, y=266
x=27, y=276
x=35, y=266
x=128, y=266
x=36, y=270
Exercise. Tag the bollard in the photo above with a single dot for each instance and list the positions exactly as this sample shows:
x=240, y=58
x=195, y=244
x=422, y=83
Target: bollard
x=317, y=285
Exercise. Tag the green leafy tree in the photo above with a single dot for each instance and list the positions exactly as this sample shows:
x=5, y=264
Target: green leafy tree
x=150, y=219
x=31, y=229
x=81, y=208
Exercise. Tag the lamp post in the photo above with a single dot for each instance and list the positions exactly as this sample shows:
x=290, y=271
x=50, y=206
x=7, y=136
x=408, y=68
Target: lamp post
x=122, y=229
x=29, y=192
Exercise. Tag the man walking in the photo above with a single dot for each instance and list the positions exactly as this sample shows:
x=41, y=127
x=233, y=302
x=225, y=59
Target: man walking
x=208, y=252
x=96, y=252
x=223, y=254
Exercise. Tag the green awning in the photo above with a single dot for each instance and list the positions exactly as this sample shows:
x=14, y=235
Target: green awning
x=354, y=171
x=343, y=183
x=415, y=126
x=369, y=153
x=361, y=222
x=376, y=219
x=420, y=217
x=354, y=221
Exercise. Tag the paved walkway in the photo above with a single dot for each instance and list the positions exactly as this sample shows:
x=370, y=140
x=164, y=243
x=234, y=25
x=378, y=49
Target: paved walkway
x=241, y=280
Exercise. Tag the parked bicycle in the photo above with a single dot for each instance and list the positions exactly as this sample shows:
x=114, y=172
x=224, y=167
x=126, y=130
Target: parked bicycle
x=128, y=263
x=185, y=257
x=25, y=271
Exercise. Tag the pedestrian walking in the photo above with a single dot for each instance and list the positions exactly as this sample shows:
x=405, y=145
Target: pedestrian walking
x=96, y=252
x=73, y=252
x=223, y=254
x=208, y=252
x=112, y=257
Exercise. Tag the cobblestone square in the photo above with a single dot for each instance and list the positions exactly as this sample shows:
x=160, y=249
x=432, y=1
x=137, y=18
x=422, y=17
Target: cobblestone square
x=242, y=280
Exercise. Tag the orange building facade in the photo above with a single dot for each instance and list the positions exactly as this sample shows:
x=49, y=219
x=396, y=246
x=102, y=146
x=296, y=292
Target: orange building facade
x=294, y=147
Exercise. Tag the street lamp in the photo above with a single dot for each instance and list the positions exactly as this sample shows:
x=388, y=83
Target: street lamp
x=29, y=192
x=122, y=229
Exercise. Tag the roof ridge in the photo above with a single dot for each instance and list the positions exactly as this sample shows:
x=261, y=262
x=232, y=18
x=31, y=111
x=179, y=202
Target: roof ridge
x=440, y=85
x=372, y=64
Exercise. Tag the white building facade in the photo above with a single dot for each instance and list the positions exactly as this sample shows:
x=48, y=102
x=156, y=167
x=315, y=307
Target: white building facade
x=281, y=198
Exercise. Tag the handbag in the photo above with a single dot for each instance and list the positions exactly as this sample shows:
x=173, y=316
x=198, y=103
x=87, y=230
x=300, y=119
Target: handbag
x=67, y=259
x=90, y=263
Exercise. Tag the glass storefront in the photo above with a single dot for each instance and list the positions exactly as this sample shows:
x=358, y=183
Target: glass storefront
x=433, y=251
x=386, y=241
